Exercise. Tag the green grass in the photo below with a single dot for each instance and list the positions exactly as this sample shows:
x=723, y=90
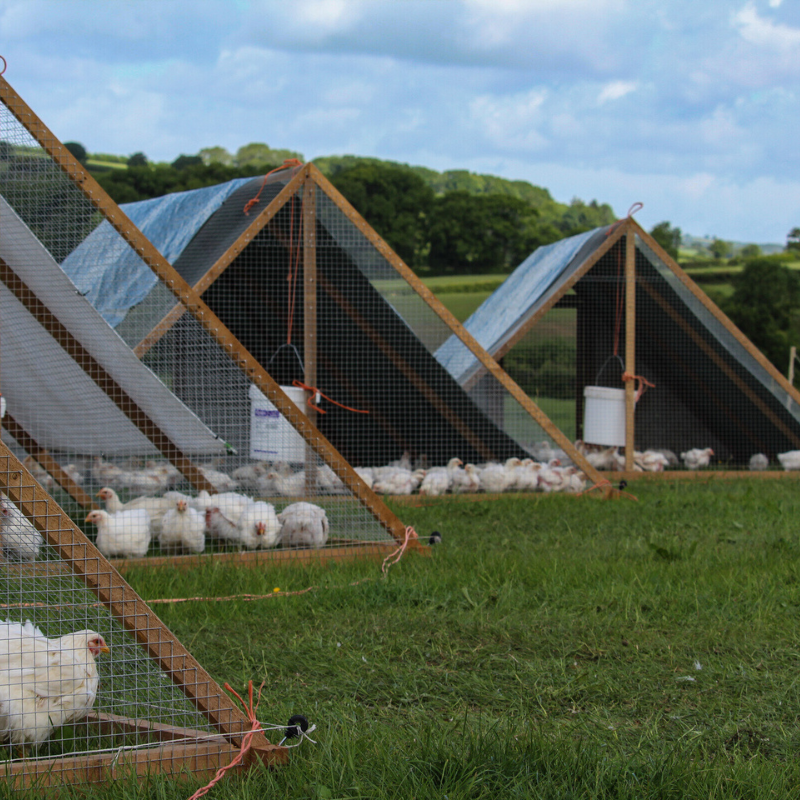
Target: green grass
x=547, y=649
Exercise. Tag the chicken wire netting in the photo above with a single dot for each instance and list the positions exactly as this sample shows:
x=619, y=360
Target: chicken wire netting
x=317, y=302
x=72, y=680
x=705, y=400
x=118, y=395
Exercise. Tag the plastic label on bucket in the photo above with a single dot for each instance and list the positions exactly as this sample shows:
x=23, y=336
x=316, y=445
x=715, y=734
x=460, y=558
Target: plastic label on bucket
x=271, y=435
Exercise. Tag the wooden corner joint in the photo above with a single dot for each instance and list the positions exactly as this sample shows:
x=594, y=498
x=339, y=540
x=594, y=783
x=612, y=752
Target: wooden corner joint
x=269, y=755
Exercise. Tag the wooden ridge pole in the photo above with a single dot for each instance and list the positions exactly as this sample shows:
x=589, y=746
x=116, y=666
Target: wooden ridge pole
x=630, y=346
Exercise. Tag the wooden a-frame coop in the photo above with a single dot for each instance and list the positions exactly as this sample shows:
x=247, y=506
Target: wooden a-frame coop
x=157, y=711
x=369, y=329
x=623, y=310
x=39, y=171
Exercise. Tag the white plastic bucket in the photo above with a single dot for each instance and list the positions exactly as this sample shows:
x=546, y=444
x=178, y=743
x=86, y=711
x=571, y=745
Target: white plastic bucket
x=272, y=438
x=604, y=416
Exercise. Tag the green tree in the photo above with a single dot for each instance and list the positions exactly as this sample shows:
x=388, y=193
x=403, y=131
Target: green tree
x=480, y=233
x=750, y=251
x=259, y=153
x=183, y=161
x=720, y=248
x=793, y=239
x=765, y=304
x=668, y=237
x=394, y=201
x=138, y=160
x=216, y=155
x=77, y=150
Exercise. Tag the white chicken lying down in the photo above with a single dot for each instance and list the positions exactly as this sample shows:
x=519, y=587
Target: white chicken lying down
x=126, y=533
x=790, y=459
x=697, y=458
x=303, y=525
x=259, y=526
x=46, y=683
x=183, y=528
x=20, y=539
x=256, y=527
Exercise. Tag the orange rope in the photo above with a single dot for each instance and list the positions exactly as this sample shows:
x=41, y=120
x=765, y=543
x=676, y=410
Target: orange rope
x=287, y=164
x=398, y=554
x=316, y=392
x=294, y=268
x=643, y=384
x=247, y=739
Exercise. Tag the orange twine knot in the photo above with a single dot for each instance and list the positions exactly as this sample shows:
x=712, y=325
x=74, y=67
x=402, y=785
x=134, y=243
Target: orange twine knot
x=247, y=739
x=643, y=384
x=398, y=554
x=313, y=401
x=289, y=163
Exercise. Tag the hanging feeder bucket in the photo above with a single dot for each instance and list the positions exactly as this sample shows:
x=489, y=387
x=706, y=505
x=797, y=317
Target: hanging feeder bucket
x=272, y=437
x=604, y=416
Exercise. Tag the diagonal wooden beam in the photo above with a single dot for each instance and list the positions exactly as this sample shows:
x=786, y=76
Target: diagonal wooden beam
x=42, y=314
x=716, y=311
x=223, y=262
x=28, y=443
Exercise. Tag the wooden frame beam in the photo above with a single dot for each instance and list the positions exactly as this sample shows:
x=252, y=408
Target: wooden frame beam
x=630, y=346
x=84, y=359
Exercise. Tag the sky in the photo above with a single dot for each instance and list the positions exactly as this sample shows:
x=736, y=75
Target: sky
x=688, y=106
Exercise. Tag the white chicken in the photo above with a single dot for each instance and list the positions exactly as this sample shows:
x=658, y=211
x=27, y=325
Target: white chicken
x=303, y=525
x=496, y=478
x=697, y=458
x=39, y=472
x=467, y=480
x=790, y=460
x=46, y=683
x=759, y=462
x=220, y=527
x=399, y=481
x=221, y=481
x=439, y=480
x=21, y=540
x=258, y=526
x=156, y=507
x=126, y=533
x=183, y=528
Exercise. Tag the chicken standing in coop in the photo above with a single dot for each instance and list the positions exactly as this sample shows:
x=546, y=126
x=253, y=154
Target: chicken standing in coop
x=303, y=525
x=183, y=528
x=759, y=462
x=21, y=541
x=790, y=459
x=46, y=683
x=697, y=458
x=126, y=533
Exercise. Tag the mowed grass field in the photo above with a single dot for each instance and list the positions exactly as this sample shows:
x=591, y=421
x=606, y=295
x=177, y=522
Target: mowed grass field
x=551, y=647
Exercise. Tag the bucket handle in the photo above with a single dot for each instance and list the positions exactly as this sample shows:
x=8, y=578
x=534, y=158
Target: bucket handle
x=605, y=364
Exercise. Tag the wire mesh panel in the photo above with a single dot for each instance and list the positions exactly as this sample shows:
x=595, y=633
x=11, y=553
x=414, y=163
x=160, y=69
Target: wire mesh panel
x=659, y=367
x=84, y=664
x=124, y=389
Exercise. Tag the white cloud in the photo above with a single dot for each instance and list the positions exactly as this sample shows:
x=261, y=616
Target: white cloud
x=511, y=122
x=764, y=32
x=616, y=90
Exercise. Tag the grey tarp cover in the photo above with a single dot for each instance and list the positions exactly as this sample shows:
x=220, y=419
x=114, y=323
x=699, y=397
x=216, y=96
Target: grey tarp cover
x=506, y=310
x=49, y=394
x=169, y=222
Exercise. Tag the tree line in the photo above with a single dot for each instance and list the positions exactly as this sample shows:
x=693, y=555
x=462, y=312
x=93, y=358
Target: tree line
x=439, y=223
